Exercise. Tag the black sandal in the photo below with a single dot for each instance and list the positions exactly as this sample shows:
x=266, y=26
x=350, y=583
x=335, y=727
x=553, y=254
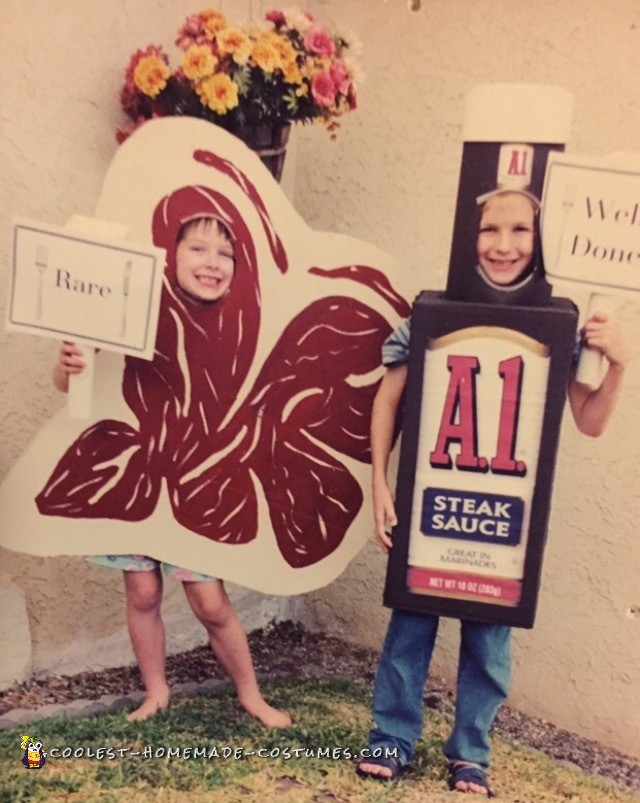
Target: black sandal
x=389, y=763
x=469, y=773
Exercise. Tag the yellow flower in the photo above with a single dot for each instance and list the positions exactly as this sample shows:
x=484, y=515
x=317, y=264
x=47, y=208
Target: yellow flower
x=308, y=69
x=236, y=43
x=151, y=75
x=265, y=55
x=198, y=62
x=292, y=74
x=285, y=50
x=219, y=93
x=212, y=21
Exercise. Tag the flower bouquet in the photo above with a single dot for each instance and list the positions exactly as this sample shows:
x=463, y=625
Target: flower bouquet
x=285, y=69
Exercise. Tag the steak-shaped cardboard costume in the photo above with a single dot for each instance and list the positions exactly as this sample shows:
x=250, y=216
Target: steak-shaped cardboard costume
x=240, y=449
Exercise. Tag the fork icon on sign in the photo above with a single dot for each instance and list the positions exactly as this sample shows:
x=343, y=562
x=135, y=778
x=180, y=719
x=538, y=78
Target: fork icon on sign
x=41, y=262
x=126, y=280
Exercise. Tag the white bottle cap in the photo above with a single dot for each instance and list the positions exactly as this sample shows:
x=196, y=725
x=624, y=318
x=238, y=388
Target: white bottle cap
x=517, y=113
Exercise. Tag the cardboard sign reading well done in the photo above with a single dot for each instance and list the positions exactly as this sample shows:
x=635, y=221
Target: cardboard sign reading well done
x=591, y=221
x=101, y=292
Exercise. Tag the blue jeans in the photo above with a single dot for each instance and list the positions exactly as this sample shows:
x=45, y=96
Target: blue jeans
x=484, y=671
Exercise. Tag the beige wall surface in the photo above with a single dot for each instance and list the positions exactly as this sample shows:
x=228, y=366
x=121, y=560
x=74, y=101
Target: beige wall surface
x=580, y=666
x=390, y=178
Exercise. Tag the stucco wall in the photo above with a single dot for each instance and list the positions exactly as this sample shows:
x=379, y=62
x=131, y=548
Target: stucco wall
x=59, y=113
x=580, y=666
x=390, y=178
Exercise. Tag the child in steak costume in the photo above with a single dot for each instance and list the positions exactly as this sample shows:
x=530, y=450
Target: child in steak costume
x=202, y=269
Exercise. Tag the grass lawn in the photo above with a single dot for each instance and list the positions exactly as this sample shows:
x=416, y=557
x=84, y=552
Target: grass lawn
x=331, y=715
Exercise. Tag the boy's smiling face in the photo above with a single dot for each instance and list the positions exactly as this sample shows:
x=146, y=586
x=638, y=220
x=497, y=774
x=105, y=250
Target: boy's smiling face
x=205, y=261
x=505, y=237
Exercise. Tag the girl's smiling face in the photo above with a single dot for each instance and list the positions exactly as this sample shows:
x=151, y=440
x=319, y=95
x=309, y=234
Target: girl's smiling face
x=205, y=261
x=506, y=237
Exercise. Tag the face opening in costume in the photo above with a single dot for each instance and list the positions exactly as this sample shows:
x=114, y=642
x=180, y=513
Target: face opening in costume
x=205, y=259
x=506, y=239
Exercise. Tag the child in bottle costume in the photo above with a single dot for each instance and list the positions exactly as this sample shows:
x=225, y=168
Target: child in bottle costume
x=506, y=269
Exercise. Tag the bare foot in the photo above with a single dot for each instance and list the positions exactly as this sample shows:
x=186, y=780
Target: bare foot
x=270, y=717
x=151, y=705
x=374, y=770
x=469, y=779
x=471, y=788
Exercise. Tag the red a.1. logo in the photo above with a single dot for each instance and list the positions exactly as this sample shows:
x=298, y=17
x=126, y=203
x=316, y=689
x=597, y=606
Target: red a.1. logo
x=461, y=404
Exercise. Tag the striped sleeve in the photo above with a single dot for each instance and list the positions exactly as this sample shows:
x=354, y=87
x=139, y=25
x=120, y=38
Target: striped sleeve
x=395, y=348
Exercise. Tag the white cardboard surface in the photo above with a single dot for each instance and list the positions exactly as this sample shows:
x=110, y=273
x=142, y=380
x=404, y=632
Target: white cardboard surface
x=154, y=163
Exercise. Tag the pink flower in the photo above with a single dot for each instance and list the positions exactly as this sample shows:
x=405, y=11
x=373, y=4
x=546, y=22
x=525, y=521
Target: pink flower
x=276, y=17
x=339, y=76
x=130, y=95
x=125, y=130
x=189, y=33
x=323, y=89
x=192, y=25
x=318, y=41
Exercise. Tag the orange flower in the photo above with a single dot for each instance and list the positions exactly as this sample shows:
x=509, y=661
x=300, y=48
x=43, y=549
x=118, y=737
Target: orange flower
x=236, y=43
x=151, y=75
x=219, y=93
x=286, y=52
x=265, y=55
x=212, y=22
x=292, y=74
x=198, y=62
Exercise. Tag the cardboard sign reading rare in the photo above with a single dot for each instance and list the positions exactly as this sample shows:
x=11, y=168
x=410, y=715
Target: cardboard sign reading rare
x=102, y=292
x=591, y=221
x=485, y=393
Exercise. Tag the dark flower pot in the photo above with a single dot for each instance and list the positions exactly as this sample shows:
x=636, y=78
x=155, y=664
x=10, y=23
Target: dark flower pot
x=269, y=141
